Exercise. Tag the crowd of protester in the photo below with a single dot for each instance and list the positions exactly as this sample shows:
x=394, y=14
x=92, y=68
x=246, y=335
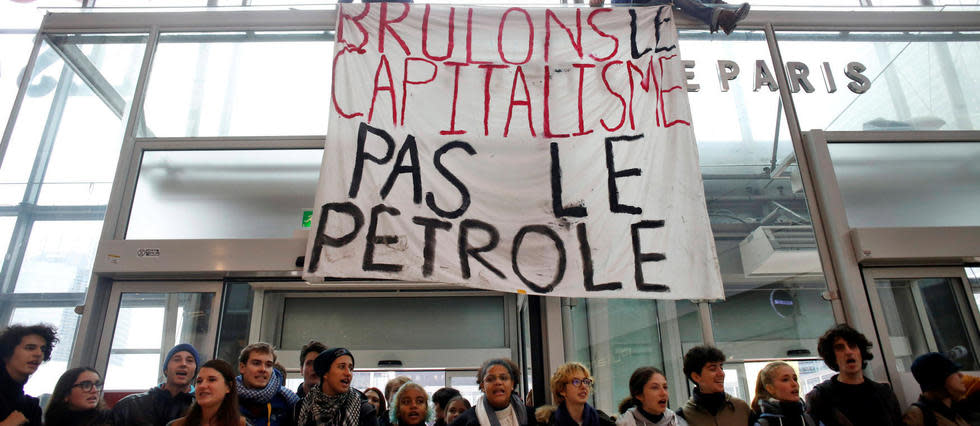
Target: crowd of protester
x=210, y=393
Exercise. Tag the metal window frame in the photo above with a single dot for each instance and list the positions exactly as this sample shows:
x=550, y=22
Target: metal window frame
x=856, y=19
x=903, y=382
x=166, y=287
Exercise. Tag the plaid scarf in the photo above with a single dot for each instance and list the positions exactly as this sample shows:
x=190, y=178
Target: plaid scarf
x=340, y=410
x=264, y=395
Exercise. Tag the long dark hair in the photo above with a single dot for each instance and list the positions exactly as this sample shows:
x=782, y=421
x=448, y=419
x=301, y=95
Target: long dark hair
x=638, y=380
x=58, y=411
x=381, y=398
x=228, y=411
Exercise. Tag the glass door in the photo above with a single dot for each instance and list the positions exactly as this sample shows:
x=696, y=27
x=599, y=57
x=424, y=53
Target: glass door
x=920, y=310
x=145, y=320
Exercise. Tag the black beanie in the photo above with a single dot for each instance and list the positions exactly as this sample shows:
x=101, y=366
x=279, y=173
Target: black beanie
x=326, y=358
x=932, y=369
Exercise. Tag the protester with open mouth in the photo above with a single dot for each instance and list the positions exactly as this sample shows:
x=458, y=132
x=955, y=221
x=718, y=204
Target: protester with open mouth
x=167, y=401
x=647, y=403
x=499, y=405
x=216, y=402
x=709, y=403
x=77, y=400
x=22, y=350
x=942, y=384
x=262, y=398
x=850, y=398
x=411, y=407
x=335, y=402
x=570, y=387
x=777, y=397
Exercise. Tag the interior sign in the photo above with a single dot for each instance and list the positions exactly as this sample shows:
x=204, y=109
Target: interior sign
x=528, y=150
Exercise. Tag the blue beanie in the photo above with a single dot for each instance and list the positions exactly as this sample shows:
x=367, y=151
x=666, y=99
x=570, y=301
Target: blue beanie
x=183, y=347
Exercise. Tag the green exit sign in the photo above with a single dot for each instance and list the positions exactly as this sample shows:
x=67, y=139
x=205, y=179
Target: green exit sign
x=307, y=219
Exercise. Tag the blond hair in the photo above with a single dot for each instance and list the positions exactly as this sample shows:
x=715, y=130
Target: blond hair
x=764, y=378
x=563, y=376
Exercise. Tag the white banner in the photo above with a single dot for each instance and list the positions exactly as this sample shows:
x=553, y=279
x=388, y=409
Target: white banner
x=529, y=150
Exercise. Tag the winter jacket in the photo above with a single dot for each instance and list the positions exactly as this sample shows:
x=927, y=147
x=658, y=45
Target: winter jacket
x=469, y=418
x=62, y=416
x=13, y=398
x=545, y=416
x=632, y=417
x=827, y=404
x=154, y=407
x=925, y=412
x=733, y=412
x=773, y=414
x=277, y=412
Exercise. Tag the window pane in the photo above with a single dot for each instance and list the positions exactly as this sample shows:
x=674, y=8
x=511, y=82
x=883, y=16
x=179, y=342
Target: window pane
x=877, y=180
x=759, y=218
x=918, y=81
x=59, y=257
x=731, y=140
x=18, y=161
x=15, y=49
x=147, y=326
x=6, y=231
x=927, y=315
x=66, y=321
x=478, y=322
x=223, y=194
x=237, y=84
x=621, y=335
x=86, y=148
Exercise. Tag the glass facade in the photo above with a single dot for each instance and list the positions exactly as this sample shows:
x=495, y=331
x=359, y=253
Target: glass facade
x=214, y=156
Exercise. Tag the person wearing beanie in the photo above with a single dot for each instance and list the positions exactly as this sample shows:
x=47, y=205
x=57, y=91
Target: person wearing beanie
x=335, y=402
x=167, y=401
x=850, y=398
x=709, y=403
x=942, y=384
x=262, y=397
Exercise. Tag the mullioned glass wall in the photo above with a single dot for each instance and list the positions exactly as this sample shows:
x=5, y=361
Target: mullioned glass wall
x=263, y=89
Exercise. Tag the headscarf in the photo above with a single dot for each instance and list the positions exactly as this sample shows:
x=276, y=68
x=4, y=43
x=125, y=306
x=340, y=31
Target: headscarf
x=319, y=408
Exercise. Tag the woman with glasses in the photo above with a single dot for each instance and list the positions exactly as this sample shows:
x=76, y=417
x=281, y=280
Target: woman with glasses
x=77, y=400
x=499, y=405
x=570, y=387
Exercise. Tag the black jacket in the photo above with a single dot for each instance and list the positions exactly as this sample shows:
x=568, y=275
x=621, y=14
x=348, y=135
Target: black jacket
x=546, y=415
x=827, y=405
x=154, y=407
x=468, y=418
x=13, y=398
x=61, y=416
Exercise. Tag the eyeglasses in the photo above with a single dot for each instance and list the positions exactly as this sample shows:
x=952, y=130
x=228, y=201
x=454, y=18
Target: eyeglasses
x=579, y=382
x=87, y=385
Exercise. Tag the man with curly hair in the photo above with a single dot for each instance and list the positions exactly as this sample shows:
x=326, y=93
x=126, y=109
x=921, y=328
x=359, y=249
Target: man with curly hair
x=22, y=350
x=850, y=398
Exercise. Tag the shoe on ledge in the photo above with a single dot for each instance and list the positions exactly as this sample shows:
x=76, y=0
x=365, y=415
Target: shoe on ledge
x=728, y=19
